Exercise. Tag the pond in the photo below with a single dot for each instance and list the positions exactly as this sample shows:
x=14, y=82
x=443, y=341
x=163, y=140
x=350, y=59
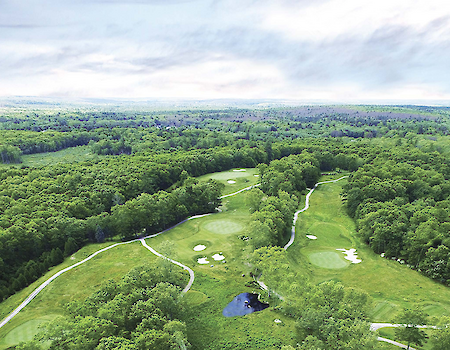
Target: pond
x=243, y=304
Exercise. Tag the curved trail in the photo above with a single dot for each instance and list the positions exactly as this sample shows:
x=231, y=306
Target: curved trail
x=191, y=273
x=244, y=189
x=291, y=240
x=59, y=273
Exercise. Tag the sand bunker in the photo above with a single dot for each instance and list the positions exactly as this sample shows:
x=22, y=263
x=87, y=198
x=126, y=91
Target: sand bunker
x=203, y=261
x=231, y=181
x=256, y=175
x=218, y=257
x=239, y=170
x=311, y=236
x=199, y=247
x=351, y=255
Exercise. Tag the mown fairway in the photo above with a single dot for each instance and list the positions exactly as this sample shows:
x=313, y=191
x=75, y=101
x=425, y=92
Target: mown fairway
x=391, y=284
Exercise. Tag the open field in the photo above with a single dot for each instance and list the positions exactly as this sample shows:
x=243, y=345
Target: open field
x=68, y=155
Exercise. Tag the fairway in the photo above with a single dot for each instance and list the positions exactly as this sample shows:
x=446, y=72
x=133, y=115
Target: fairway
x=327, y=260
x=223, y=226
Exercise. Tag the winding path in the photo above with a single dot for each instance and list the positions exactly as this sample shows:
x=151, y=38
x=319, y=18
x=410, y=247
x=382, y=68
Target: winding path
x=142, y=240
x=191, y=273
x=291, y=240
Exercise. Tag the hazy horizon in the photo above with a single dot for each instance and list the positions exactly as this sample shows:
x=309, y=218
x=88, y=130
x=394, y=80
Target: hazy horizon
x=327, y=51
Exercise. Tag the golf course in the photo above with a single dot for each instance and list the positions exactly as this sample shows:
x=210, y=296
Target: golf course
x=325, y=245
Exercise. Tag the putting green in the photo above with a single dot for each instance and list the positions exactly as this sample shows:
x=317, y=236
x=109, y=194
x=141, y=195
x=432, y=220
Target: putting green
x=22, y=333
x=327, y=260
x=223, y=226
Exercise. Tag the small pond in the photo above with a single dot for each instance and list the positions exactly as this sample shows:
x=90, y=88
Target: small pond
x=243, y=304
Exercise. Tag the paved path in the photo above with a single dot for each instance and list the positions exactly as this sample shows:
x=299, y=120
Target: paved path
x=191, y=273
x=291, y=240
x=59, y=273
x=47, y=282
x=393, y=342
x=244, y=189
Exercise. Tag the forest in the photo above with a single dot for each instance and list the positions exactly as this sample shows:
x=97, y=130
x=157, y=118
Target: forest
x=142, y=179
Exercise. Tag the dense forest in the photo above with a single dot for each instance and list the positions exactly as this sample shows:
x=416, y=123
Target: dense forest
x=142, y=180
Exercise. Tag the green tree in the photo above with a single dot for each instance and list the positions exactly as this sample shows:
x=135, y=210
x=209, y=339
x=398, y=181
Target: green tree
x=409, y=319
x=440, y=337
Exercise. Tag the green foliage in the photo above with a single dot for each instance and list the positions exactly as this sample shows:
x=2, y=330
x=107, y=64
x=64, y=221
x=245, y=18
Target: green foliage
x=140, y=312
x=408, y=331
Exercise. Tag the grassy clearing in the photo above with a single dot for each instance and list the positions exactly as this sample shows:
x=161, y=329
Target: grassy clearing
x=391, y=284
x=68, y=155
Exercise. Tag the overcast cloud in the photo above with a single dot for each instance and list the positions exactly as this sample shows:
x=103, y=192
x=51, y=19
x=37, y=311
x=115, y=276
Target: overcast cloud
x=335, y=50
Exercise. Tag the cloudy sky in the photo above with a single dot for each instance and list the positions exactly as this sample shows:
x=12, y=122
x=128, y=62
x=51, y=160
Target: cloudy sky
x=328, y=50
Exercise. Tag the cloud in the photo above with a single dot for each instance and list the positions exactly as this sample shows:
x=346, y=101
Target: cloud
x=287, y=47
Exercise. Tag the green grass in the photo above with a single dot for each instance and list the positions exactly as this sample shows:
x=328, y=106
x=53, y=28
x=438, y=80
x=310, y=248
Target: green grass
x=243, y=179
x=391, y=285
x=68, y=155
x=327, y=260
x=389, y=333
x=75, y=284
x=25, y=331
x=223, y=226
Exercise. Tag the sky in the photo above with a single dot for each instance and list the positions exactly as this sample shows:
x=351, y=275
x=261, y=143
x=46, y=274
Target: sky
x=350, y=51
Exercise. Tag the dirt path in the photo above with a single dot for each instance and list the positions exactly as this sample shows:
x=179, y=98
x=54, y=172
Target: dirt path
x=291, y=240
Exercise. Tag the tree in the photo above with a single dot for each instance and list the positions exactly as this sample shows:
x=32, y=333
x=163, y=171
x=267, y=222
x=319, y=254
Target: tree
x=70, y=247
x=440, y=338
x=408, y=331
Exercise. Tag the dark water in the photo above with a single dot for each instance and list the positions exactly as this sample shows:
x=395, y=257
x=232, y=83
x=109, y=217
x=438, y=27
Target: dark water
x=243, y=304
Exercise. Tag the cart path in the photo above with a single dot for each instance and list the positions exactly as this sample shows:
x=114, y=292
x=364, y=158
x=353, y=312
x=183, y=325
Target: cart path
x=291, y=240
x=191, y=273
x=59, y=273
x=244, y=189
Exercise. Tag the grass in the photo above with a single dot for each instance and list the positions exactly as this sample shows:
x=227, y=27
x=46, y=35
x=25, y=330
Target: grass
x=68, y=155
x=75, y=284
x=242, y=179
x=391, y=285
x=327, y=260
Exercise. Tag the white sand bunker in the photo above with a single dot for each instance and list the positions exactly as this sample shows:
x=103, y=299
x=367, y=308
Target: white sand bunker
x=199, y=247
x=311, y=236
x=218, y=257
x=256, y=175
x=231, y=181
x=203, y=261
x=351, y=255
x=239, y=170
